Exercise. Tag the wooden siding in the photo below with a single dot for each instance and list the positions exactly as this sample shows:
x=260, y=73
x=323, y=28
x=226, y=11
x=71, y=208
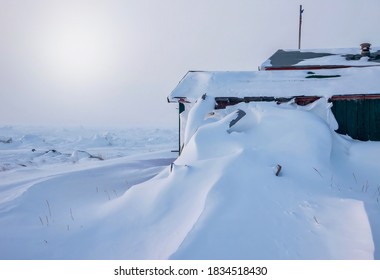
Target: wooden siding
x=358, y=118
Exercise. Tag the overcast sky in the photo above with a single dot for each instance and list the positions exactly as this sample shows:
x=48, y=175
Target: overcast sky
x=113, y=62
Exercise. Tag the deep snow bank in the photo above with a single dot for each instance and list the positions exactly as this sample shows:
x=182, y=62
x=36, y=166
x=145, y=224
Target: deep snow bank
x=254, y=214
x=222, y=200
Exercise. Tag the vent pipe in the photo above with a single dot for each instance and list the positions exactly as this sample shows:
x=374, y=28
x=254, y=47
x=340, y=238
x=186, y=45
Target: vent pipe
x=365, y=48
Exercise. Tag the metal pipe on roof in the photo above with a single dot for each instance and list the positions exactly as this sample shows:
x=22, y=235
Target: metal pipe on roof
x=299, y=28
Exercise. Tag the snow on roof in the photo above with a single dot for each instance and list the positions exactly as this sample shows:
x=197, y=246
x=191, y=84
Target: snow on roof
x=321, y=58
x=281, y=83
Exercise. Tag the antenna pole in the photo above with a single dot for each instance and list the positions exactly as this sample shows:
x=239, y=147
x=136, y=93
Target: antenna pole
x=300, y=27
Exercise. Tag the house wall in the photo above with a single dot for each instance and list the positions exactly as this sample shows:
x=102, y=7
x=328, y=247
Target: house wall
x=359, y=118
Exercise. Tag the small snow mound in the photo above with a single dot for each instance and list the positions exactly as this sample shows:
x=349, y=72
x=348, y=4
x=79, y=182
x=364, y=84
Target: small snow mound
x=6, y=140
x=32, y=139
x=102, y=140
x=80, y=155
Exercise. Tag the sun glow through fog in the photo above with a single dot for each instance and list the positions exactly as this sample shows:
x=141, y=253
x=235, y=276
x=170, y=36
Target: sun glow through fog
x=79, y=50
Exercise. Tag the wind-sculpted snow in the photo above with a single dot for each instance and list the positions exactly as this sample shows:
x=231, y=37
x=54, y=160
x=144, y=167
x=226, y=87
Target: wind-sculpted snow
x=301, y=214
x=222, y=198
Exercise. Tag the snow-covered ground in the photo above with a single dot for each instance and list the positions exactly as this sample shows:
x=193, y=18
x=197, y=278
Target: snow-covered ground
x=118, y=196
x=54, y=183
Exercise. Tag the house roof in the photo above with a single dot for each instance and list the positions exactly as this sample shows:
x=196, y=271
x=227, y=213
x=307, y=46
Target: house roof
x=281, y=83
x=321, y=58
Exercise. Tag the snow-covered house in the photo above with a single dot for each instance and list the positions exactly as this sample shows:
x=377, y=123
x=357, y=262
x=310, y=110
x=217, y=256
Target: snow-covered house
x=316, y=59
x=348, y=79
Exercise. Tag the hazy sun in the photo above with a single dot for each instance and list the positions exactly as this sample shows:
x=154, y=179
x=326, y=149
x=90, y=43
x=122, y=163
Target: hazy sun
x=78, y=50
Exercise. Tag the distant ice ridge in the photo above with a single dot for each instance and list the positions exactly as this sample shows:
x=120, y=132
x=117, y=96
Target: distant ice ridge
x=25, y=146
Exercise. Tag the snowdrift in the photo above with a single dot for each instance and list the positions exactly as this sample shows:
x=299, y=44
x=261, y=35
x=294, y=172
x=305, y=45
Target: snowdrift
x=223, y=198
x=315, y=209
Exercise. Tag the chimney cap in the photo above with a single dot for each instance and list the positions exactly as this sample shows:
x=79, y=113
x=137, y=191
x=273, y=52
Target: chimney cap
x=365, y=45
x=365, y=48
